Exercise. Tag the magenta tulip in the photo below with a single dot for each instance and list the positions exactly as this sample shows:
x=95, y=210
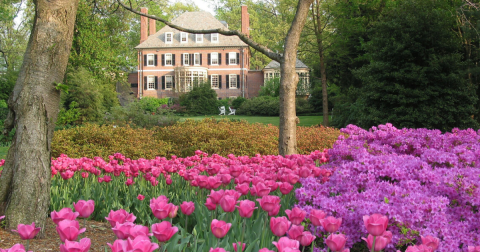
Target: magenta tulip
x=141, y=244
x=27, y=232
x=259, y=190
x=419, y=248
x=238, y=245
x=64, y=214
x=295, y=232
x=16, y=248
x=246, y=208
x=375, y=224
x=285, y=188
x=138, y=230
x=173, y=211
x=316, y=216
x=430, y=241
x=69, y=230
x=220, y=228
x=187, y=207
x=161, y=210
x=216, y=196
x=285, y=243
x=73, y=246
x=269, y=202
x=228, y=203
x=122, y=230
x=84, y=208
x=243, y=188
x=296, y=215
x=381, y=241
x=274, y=211
x=473, y=248
x=236, y=195
x=279, y=226
x=217, y=250
x=306, y=239
x=336, y=242
x=210, y=205
x=161, y=198
x=119, y=246
x=120, y=216
x=163, y=231
x=140, y=197
x=265, y=250
x=330, y=224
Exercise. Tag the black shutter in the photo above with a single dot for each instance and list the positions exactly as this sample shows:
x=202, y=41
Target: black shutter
x=173, y=59
x=145, y=82
x=226, y=61
x=155, y=60
x=144, y=60
x=173, y=82
x=238, y=58
x=156, y=82
x=200, y=59
x=219, y=59
x=209, y=59
x=238, y=81
x=163, y=82
x=227, y=83
x=219, y=81
x=163, y=59
x=181, y=59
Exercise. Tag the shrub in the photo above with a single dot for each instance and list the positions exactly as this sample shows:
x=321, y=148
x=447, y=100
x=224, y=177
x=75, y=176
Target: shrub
x=70, y=116
x=201, y=100
x=237, y=102
x=270, y=88
x=135, y=115
x=262, y=105
x=151, y=104
x=303, y=106
x=91, y=140
x=315, y=138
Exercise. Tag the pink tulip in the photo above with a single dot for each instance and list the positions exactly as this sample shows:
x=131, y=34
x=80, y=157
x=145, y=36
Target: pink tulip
x=141, y=244
x=274, y=211
x=430, y=241
x=419, y=248
x=122, y=230
x=187, y=207
x=236, y=195
x=27, y=232
x=84, y=174
x=272, y=184
x=306, y=239
x=163, y=231
x=168, y=181
x=269, y=202
x=84, y=208
x=381, y=241
x=107, y=179
x=279, y=226
x=2, y=217
x=119, y=246
x=69, y=230
x=316, y=216
x=285, y=188
x=217, y=250
x=216, y=196
x=210, y=205
x=259, y=190
x=159, y=199
x=265, y=250
x=242, y=188
x=161, y=210
x=63, y=214
x=73, y=246
x=140, y=197
x=16, y=248
x=237, y=245
x=219, y=228
x=336, y=242
x=246, y=208
x=120, y=216
x=284, y=243
x=129, y=182
x=375, y=224
x=296, y=215
x=295, y=232
x=228, y=203
x=473, y=248
x=173, y=211
x=330, y=224
x=138, y=230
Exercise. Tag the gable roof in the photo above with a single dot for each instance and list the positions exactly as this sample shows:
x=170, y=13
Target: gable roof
x=274, y=65
x=200, y=20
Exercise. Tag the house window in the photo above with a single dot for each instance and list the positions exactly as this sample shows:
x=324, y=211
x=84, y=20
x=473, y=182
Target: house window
x=232, y=58
x=214, y=81
x=150, y=60
x=214, y=37
x=214, y=58
x=277, y=75
x=232, y=81
x=199, y=38
x=168, y=37
x=183, y=37
x=196, y=60
x=186, y=59
x=168, y=82
x=151, y=82
x=168, y=59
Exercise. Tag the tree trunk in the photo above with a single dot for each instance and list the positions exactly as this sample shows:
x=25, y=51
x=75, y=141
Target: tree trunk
x=287, y=140
x=34, y=104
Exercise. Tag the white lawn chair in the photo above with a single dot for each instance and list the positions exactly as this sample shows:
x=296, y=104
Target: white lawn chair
x=222, y=110
x=232, y=111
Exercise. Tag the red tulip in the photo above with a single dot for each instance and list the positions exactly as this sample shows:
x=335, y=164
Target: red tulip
x=376, y=224
x=138, y=230
x=187, y=207
x=246, y=208
x=216, y=196
x=330, y=224
x=285, y=188
x=119, y=246
x=336, y=242
x=228, y=203
x=420, y=248
x=64, y=214
x=210, y=205
x=269, y=202
x=219, y=228
x=122, y=230
x=284, y=244
x=141, y=244
x=430, y=241
x=279, y=225
x=73, y=246
x=237, y=245
x=163, y=231
x=473, y=248
x=306, y=239
x=296, y=215
x=259, y=190
x=27, y=232
x=295, y=232
x=316, y=216
x=381, y=241
x=242, y=188
x=84, y=208
x=217, y=250
x=69, y=230
x=120, y=216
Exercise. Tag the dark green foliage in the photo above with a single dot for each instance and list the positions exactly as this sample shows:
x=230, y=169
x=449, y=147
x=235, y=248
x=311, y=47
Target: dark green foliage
x=270, y=88
x=262, y=105
x=68, y=116
x=225, y=102
x=151, y=104
x=7, y=81
x=316, y=95
x=237, y=102
x=415, y=77
x=201, y=100
x=303, y=107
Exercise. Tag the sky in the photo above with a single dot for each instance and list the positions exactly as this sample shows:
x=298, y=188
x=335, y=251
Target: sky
x=204, y=5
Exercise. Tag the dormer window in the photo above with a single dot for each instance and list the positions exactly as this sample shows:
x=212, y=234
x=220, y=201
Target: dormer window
x=199, y=38
x=168, y=37
x=214, y=37
x=183, y=37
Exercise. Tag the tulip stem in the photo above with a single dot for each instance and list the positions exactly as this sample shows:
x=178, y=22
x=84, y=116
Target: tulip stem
x=264, y=226
x=313, y=242
x=28, y=244
x=303, y=249
x=218, y=242
x=186, y=225
x=373, y=244
x=84, y=225
x=243, y=229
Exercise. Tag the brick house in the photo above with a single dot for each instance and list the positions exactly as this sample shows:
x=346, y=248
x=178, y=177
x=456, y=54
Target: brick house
x=171, y=62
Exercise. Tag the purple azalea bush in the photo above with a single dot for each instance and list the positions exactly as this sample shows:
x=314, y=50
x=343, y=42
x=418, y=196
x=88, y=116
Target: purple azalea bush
x=426, y=182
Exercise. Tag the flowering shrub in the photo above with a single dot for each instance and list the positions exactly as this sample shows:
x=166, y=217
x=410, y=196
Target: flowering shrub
x=425, y=182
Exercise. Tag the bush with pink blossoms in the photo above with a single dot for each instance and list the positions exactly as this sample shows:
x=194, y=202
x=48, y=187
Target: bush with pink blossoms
x=425, y=182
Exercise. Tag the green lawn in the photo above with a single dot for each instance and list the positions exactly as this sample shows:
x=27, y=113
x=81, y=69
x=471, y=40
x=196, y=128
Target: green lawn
x=274, y=120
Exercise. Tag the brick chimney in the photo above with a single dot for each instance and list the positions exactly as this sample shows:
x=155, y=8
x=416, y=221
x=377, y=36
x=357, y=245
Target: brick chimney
x=245, y=21
x=152, y=27
x=143, y=25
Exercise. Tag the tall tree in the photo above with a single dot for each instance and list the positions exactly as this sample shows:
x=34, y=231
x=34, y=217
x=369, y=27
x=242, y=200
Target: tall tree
x=287, y=142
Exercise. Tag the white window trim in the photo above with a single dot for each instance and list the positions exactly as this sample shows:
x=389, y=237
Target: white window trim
x=230, y=58
x=186, y=37
x=199, y=38
x=230, y=81
x=153, y=59
x=187, y=57
x=211, y=59
x=171, y=59
x=214, y=35
x=171, y=80
x=195, y=55
x=150, y=78
x=218, y=80
x=171, y=37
